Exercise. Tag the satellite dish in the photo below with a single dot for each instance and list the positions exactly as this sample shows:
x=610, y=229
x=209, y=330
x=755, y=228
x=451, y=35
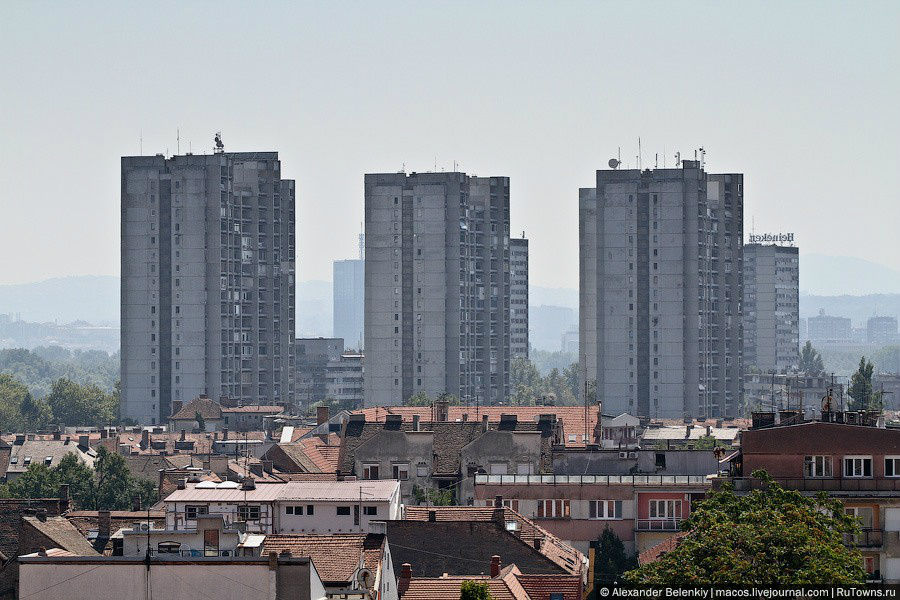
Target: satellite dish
x=364, y=577
x=614, y=163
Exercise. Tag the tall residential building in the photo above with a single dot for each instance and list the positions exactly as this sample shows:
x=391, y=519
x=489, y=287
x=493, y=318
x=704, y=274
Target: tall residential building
x=349, y=301
x=311, y=358
x=518, y=297
x=828, y=329
x=881, y=330
x=207, y=281
x=437, y=287
x=660, y=291
x=771, y=307
x=344, y=379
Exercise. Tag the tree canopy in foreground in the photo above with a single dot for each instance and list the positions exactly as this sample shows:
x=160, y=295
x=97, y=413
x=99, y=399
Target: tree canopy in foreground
x=770, y=536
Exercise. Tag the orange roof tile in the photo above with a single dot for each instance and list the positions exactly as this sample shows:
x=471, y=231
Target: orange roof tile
x=336, y=556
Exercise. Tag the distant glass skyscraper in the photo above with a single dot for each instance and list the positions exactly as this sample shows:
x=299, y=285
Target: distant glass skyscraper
x=349, y=301
x=660, y=288
x=207, y=281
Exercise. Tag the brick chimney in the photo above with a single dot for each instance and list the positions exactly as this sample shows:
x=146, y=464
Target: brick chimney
x=321, y=414
x=63, y=498
x=103, y=524
x=495, y=565
x=183, y=434
x=145, y=439
x=136, y=503
x=405, y=576
x=442, y=410
x=484, y=422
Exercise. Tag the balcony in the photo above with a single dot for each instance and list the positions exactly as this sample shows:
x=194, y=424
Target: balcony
x=658, y=524
x=823, y=484
x=867, y=538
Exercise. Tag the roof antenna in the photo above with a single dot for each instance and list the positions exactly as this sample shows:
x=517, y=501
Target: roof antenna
x=177, y=141
x=141, y=142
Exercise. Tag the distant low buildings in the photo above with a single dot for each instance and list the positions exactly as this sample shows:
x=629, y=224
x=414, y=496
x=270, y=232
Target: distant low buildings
x=882, y=330
x=311, y=359
x=828, y=329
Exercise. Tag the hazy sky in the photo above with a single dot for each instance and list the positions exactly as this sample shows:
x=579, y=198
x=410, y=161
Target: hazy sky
x=802, y=97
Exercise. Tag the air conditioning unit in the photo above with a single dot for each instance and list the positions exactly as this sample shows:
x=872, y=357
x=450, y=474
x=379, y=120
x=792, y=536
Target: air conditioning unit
x=623, y=455
x=632, y=455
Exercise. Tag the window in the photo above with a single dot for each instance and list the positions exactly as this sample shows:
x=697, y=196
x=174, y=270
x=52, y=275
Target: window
x=665, y=509
x=817, y=466
x=248, y=513
x=510, y=503
x=892, y=466
x=553, y=509
x=191, y=511
x=498, y=468
x=343, y=511
x=370, y=511
x=857, y=466
x=309, y=510
x=400, y=471
x=168, y=548
x=605, y=509
x=370, y=471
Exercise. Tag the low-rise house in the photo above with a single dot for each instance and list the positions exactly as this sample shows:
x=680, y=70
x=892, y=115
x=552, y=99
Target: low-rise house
x=475, y=538
x=848, y=455
x=291, y=507
x=97, y=526
x=211, y=536
x=27, y=450
x=443, y=455
x=48, y=574
x=29, y=530
x=642, y=510
x=185, y=416
x=250, y=418
x=504, y=585
x=623, y=431
x=347, y=562
x=573, y=426
x=316, y=454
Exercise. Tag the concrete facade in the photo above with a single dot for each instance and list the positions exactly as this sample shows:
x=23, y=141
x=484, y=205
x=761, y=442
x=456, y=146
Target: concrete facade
x=311, y=358
x=828, y=328
x=518, y=297
x=771, y=307
x=348, y=286
x=437, y=287
x=882, y=330
x=344, y=379
x=207, y=300
x=660, y=291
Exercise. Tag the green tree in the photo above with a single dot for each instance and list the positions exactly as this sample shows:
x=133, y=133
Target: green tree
x=474, y=590
x=810, y=360
x=418, y=399
x=862, y=394
x=36, y=482
x=79, y=478
x=432, y=497
x=76, y=404
x=611, y=560
x=13, y=394
x=707, y=442
x=771, y=536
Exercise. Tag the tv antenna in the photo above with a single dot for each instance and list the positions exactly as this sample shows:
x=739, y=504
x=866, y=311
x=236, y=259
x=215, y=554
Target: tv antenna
x=220, y=145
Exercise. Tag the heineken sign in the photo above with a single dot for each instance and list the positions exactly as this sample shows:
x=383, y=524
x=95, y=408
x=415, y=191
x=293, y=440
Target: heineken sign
x=772, y=238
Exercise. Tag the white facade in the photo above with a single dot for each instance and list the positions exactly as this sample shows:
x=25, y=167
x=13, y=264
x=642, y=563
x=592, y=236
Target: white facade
x=292, y=507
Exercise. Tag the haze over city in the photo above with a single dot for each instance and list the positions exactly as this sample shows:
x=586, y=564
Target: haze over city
x=504, y=88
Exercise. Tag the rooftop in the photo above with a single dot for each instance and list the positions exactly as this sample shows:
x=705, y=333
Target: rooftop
x=321, y=491
x=336, y=556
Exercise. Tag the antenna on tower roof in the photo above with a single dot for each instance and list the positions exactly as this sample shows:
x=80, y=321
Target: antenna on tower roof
x=177, y=141
x=220, y=145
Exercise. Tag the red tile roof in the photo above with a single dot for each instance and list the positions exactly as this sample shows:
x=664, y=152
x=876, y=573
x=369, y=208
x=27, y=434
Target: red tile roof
x=653, y=554
x=571, y=416
x=269, y=410
x=336, y=556
x=207, y=407
x=553, y=548
x=448, y=588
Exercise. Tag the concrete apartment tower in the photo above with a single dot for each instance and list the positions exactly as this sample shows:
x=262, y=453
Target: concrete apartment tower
x=437, y=287
x=518, y=297
x=207, y=281
x=771, y=307
x=660, y=291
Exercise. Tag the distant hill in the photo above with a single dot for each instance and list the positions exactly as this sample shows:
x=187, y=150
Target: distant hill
x=845, y=275
x=92, y=298
x=858, y=308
